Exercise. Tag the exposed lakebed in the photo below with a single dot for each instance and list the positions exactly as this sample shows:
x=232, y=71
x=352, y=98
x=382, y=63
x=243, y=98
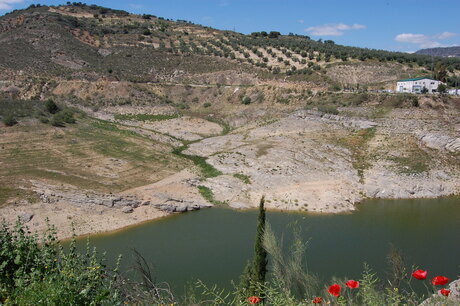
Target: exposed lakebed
x=214, y=244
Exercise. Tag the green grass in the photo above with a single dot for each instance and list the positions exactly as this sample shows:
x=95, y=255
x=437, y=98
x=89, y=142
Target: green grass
x=225, y=126
x=80, y=155
x=145, y=117
x=209, y=195
x=413, y=161
x=409, y=165
x=244, y=178
x=357, y=144
x=7, y=192
x=207, y=170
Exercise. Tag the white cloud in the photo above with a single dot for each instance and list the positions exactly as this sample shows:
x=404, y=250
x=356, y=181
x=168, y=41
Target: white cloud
x=424, y=41
x=7, y=4
x=445, y=35
x=336, y=29
x=300, y=21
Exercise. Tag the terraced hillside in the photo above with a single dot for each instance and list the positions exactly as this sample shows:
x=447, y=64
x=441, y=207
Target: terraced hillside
x=134, y=117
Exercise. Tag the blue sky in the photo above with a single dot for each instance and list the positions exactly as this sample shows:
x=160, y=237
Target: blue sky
x=398, y=25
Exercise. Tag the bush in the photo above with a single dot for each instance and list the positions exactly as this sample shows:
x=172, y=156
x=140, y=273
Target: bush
x=51, y=107
x=9, y=120
x=57, y=121
x=63, y=117
x=39, y=272
x=246, y=100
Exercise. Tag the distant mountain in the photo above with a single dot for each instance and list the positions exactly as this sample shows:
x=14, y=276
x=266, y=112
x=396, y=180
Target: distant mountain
x=448, y=51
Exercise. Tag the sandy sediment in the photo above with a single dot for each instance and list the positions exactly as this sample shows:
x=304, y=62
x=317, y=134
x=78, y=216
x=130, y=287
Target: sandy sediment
x=69, y=219
x=83, y=212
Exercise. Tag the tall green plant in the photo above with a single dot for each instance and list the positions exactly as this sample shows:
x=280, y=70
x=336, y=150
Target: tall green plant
x=260, y=254
x=253, y=277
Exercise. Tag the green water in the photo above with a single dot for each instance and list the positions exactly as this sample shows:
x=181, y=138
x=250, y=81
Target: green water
x=214, y=244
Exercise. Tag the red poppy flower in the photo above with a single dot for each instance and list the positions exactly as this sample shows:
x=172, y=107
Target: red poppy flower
x=334, y=290
x=444, y=292
x=420, y=274
x=352, y=284
x=317, y=300
x=253, y=300
x=439, y=281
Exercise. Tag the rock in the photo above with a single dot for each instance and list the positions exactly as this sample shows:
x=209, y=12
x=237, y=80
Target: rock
x=181, y=208
x=145, y=203
x=438, y=299
x=108, y=203
x=454, y=288
x=453, y=145
x=26, y=217
x=127, y=202
x=127, y=210
x=178, y=205
x=165, y=207
x=441, y=142
x=104, y=52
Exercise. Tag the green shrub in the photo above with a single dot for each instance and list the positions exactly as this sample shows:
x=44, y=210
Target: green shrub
x=9, y=120
x=207, y=104
x=61, y=118
x=67, y=116
x=246, y=100
x=51, y=107
x=37, y=271
x=57, y=121
x=244, y=178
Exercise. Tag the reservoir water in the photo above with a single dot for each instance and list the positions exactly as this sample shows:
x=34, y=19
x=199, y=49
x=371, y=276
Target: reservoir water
x=215, y=244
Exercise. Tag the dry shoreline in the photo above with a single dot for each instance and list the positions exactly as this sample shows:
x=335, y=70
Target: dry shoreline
x=88, y=223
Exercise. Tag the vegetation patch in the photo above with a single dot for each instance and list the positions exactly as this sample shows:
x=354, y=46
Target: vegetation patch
x=414, y=161
x=93, y=154
x=13, y=111
x=39, y=272
x=243, y=177
x=357, y=144
x=400, y=100
x=329, y=109
x=207, y=170
x=9, y=120
x=209, y=195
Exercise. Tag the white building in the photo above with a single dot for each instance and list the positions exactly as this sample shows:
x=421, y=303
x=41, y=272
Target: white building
x=416, y=85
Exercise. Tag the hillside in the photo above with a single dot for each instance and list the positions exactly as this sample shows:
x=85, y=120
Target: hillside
x=446, y=52
x=80, y=42
x=152, y=114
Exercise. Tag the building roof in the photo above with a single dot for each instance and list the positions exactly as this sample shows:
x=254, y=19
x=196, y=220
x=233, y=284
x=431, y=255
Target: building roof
x=416, y=79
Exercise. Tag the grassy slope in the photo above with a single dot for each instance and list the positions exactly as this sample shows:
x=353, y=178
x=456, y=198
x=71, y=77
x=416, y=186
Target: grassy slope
x=91, y=154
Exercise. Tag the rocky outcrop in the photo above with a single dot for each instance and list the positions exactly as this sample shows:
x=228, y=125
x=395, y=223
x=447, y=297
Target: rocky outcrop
x=25, y=217
x=320, y=162
x=180, y=205
x=441, y=142
x=83, y=198
x=331, y=118
x=438, y=299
